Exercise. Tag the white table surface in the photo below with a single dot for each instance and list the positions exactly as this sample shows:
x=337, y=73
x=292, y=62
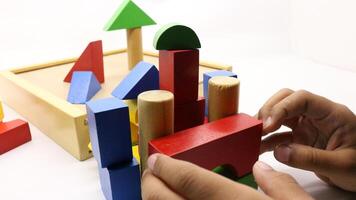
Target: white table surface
x=257, y=47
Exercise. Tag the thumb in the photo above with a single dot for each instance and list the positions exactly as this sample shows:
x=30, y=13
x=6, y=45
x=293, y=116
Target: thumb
x=277, y=185
x=309, y=158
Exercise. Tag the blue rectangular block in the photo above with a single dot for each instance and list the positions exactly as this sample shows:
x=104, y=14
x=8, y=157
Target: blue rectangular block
x=109, y=128
x=121, y=181
x=206, y=77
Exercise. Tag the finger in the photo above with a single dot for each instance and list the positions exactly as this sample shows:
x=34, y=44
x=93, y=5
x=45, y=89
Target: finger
x=296, y=104
x=153, y=188
x=193, y=182
x=269, y=143
x=313, y=159
x=263, y=113
x=276, y=184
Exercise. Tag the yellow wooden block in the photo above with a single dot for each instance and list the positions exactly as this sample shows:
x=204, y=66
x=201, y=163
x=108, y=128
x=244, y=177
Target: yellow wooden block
x=132, y=104
x=135, y=153
x=134, y=133
x=39, y=94
x=1, y=113
x=90, y=147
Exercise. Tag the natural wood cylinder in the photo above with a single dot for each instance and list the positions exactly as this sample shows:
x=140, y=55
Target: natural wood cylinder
x=134, y=46
x=223, y=97
x=155, y=119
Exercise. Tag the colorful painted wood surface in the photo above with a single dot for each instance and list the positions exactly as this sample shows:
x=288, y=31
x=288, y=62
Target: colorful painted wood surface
x=179, y=74
x=234, y=140
x=83, y=87
x=206, y=77
x=189, y=115
x=155, y=119
x=109, y=128
x=121, y=182
x=142, y=78
x=13, y=134
x=90, y=60
x=176, y=36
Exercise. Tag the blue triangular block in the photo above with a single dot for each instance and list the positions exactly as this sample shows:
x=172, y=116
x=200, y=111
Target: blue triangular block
x=143, y=77
x=83, y=87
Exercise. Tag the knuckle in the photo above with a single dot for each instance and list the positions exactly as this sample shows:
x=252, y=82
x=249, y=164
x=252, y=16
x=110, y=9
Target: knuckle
x=151, y=195
x=303, y=92
x=285, y=90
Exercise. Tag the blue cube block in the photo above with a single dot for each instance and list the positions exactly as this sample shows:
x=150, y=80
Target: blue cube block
x=121, y=182
x=206, y=77
x=143, y=77
x=109, y=128
x=83, y=87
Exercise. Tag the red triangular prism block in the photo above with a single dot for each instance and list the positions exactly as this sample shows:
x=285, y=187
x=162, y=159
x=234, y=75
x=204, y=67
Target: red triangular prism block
x=90, y=60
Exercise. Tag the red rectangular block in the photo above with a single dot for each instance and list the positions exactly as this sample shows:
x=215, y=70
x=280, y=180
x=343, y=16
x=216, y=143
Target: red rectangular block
x=189, y=115
x=13, y=134
x=179, y=74
x=233, y=141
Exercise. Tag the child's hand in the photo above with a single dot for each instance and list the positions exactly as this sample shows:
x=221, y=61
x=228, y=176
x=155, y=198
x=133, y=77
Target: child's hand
x=323, y=136
x=172, y=179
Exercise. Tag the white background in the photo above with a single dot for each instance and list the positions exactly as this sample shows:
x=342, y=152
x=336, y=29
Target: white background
x=255, y=36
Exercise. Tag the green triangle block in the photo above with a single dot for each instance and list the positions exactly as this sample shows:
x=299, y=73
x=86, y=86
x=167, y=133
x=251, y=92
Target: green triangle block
x=176, y=36
x=128, y=16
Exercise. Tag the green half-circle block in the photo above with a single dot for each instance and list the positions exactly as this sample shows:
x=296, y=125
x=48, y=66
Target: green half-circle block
x=176, y=36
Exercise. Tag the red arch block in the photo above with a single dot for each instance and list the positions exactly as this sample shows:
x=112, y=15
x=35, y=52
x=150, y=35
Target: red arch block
x=234, y=140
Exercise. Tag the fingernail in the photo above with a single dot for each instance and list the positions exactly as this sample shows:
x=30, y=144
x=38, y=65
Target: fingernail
x=282, y=153
x=151, y=161
x=263, y=166
x=267, y=122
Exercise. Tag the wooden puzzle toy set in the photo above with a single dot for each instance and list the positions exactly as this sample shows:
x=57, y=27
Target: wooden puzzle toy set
x=170, y=103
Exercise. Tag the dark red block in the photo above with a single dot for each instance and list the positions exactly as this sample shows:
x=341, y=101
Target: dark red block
x=179, y=74
x=90, y=60
x=13, y=134
x=234, y=141
x=189, y=115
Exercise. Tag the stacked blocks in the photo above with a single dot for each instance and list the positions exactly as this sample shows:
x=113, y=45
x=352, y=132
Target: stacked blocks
x=143, y=77
x=90, y=60
x=109, y=128
x=13, y=134
x=206, y=77
x=179, y=73
x=83, y=87
x=231, y=140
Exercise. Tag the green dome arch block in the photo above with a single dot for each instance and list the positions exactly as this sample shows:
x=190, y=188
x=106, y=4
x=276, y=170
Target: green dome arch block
x=128, y=16
x=176, y=36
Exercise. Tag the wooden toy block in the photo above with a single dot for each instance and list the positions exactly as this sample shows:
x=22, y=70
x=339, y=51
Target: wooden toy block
x=248, y=180
x=142, y=78
x=134, y=133
x=1, y=112
x=234, y=141
x=83, y=87
x=179, y=73
x=90, y=60
x=155, y=119
x=109, y=129
x=13, y=134
x=135, y=153
x=223, y=97
x=227, y=171
x=132, y=104
x=176, y=36
x=121, y=182
x=130, y=17
x=206, y=77
x=189, y=115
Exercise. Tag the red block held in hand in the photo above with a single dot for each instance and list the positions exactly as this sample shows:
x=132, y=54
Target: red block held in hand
x=189, y=115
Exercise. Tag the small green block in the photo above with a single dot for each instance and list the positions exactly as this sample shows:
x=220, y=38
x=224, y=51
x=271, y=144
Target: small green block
x=248, y=180
x=176, y=36
x=226, y=171
x=128, y=16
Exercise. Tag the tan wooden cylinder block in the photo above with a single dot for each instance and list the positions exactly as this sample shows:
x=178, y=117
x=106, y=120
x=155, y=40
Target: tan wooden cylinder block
x=155, y=119
x=223, y=97
x=134, y=46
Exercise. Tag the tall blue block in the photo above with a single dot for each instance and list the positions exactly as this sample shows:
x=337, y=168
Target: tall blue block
x=121, y=182
x=109, y=128
x=83, y=87
x=143, y=77
x=206, y=77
